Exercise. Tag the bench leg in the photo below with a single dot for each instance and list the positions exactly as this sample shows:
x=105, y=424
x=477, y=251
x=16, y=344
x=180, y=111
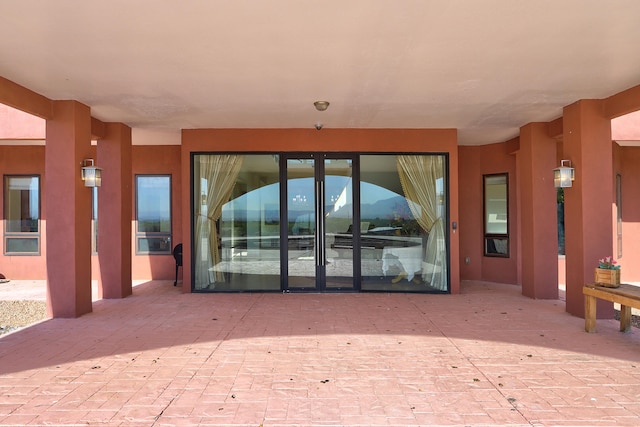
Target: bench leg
x=625, y=318
x=589, y=313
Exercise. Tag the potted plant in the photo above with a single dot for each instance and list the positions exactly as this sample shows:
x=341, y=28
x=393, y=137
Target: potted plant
x=608, y=273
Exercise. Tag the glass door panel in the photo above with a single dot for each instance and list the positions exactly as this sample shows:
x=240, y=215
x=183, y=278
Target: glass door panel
x=320, y=244
x=403, y=201
x=301, y=222
x=338, y=223
x=236, y=236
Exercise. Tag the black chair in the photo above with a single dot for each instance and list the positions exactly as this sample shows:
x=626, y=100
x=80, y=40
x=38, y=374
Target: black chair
x=177, y=255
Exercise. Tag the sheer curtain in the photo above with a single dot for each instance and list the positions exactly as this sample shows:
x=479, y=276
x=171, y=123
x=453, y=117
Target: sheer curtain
x=219, y=174
x=419, y=175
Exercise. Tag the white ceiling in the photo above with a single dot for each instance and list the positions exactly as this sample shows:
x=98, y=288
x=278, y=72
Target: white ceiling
x=485, y=67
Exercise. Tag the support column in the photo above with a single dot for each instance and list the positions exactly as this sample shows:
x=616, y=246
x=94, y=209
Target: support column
x=114, y=212
x=68, y=211
x=539, y=224
x=588, y=204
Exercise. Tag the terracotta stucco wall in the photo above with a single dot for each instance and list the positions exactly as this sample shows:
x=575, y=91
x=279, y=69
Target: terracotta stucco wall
x=24, y=160
x=27, y=160
x=160, y=160
x=474, y=162
x=15, y=124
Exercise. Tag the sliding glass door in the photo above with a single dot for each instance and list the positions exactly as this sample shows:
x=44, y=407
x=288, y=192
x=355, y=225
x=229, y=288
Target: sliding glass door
x=320, y=222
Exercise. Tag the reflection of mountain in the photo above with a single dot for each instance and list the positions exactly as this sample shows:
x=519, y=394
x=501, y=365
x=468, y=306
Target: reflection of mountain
x=379, y=209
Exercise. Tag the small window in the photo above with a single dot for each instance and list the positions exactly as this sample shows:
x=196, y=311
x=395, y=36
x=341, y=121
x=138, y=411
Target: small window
x=496, y=215
x=153, y=214
x=22, y=215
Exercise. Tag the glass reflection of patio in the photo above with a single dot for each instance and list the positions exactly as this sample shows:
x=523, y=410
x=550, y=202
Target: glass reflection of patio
x=385, y=260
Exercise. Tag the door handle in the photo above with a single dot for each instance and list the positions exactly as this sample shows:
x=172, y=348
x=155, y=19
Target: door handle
x=321, y=223
x=317, y=233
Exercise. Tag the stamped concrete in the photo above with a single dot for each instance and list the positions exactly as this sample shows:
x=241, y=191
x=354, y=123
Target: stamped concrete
x=488, y=356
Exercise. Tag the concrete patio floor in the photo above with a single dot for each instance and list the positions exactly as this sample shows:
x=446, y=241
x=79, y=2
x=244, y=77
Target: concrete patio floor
x=488, y=356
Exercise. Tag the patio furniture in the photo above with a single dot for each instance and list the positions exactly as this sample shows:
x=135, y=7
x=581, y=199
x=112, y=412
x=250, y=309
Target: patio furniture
x=177, y=255
x=628, y=296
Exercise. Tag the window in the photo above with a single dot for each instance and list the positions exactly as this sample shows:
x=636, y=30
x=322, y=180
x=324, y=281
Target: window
x=153, y=214
x=22, y=215
x=619, y=215
x=496, y=215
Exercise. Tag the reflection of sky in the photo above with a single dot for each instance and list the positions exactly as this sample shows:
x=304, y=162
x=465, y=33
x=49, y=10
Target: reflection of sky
x=153, y=198
x=371, y=193
x=301, y=191
x=300, y=197
x=34, y=203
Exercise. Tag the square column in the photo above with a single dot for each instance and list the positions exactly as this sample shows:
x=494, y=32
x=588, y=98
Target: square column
x=114, y=212
x=538, y=212
x=68, y=210
x=588, y=204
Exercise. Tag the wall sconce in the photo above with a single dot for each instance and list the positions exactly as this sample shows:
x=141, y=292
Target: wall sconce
x=91, y=175
x=564, y=175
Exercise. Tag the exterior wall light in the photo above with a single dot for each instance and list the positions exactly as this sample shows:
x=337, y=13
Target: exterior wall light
x=564, y=175
x=91, y=175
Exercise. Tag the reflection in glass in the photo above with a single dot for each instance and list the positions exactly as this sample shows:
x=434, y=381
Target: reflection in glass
x=22, y=204
x=403, y=209
x=338, y=220
x=22, y=215
x=496, y=215
x=301, y=226
x=153, y=214
x=237, y=221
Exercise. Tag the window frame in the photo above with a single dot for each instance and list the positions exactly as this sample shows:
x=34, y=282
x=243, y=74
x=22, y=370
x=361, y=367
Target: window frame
x=94, y=220
x=619, y=215
x=168, y=236
x=7, y=235
x=489, y=239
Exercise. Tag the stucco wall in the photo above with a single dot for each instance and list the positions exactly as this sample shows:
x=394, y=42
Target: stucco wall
x=161, y=160
x=24, y=160
x=474, y=162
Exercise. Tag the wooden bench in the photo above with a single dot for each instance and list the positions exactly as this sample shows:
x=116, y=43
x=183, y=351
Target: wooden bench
x=628, y=296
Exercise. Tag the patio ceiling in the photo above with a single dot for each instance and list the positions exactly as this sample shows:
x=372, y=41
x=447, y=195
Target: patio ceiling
x=483, y=67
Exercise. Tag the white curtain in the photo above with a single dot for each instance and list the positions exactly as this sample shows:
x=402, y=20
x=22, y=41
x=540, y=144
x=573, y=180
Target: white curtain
x=220, y=173
x=419, y=175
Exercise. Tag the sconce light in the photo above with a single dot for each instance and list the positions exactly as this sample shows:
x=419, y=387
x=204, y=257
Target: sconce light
x=91, y=175
x=564, y=175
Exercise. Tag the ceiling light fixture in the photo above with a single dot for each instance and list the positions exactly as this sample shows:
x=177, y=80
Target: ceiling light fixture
x=321, y=105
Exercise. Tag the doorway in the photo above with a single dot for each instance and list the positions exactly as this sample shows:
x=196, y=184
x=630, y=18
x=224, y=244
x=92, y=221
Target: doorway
x=319, y=208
